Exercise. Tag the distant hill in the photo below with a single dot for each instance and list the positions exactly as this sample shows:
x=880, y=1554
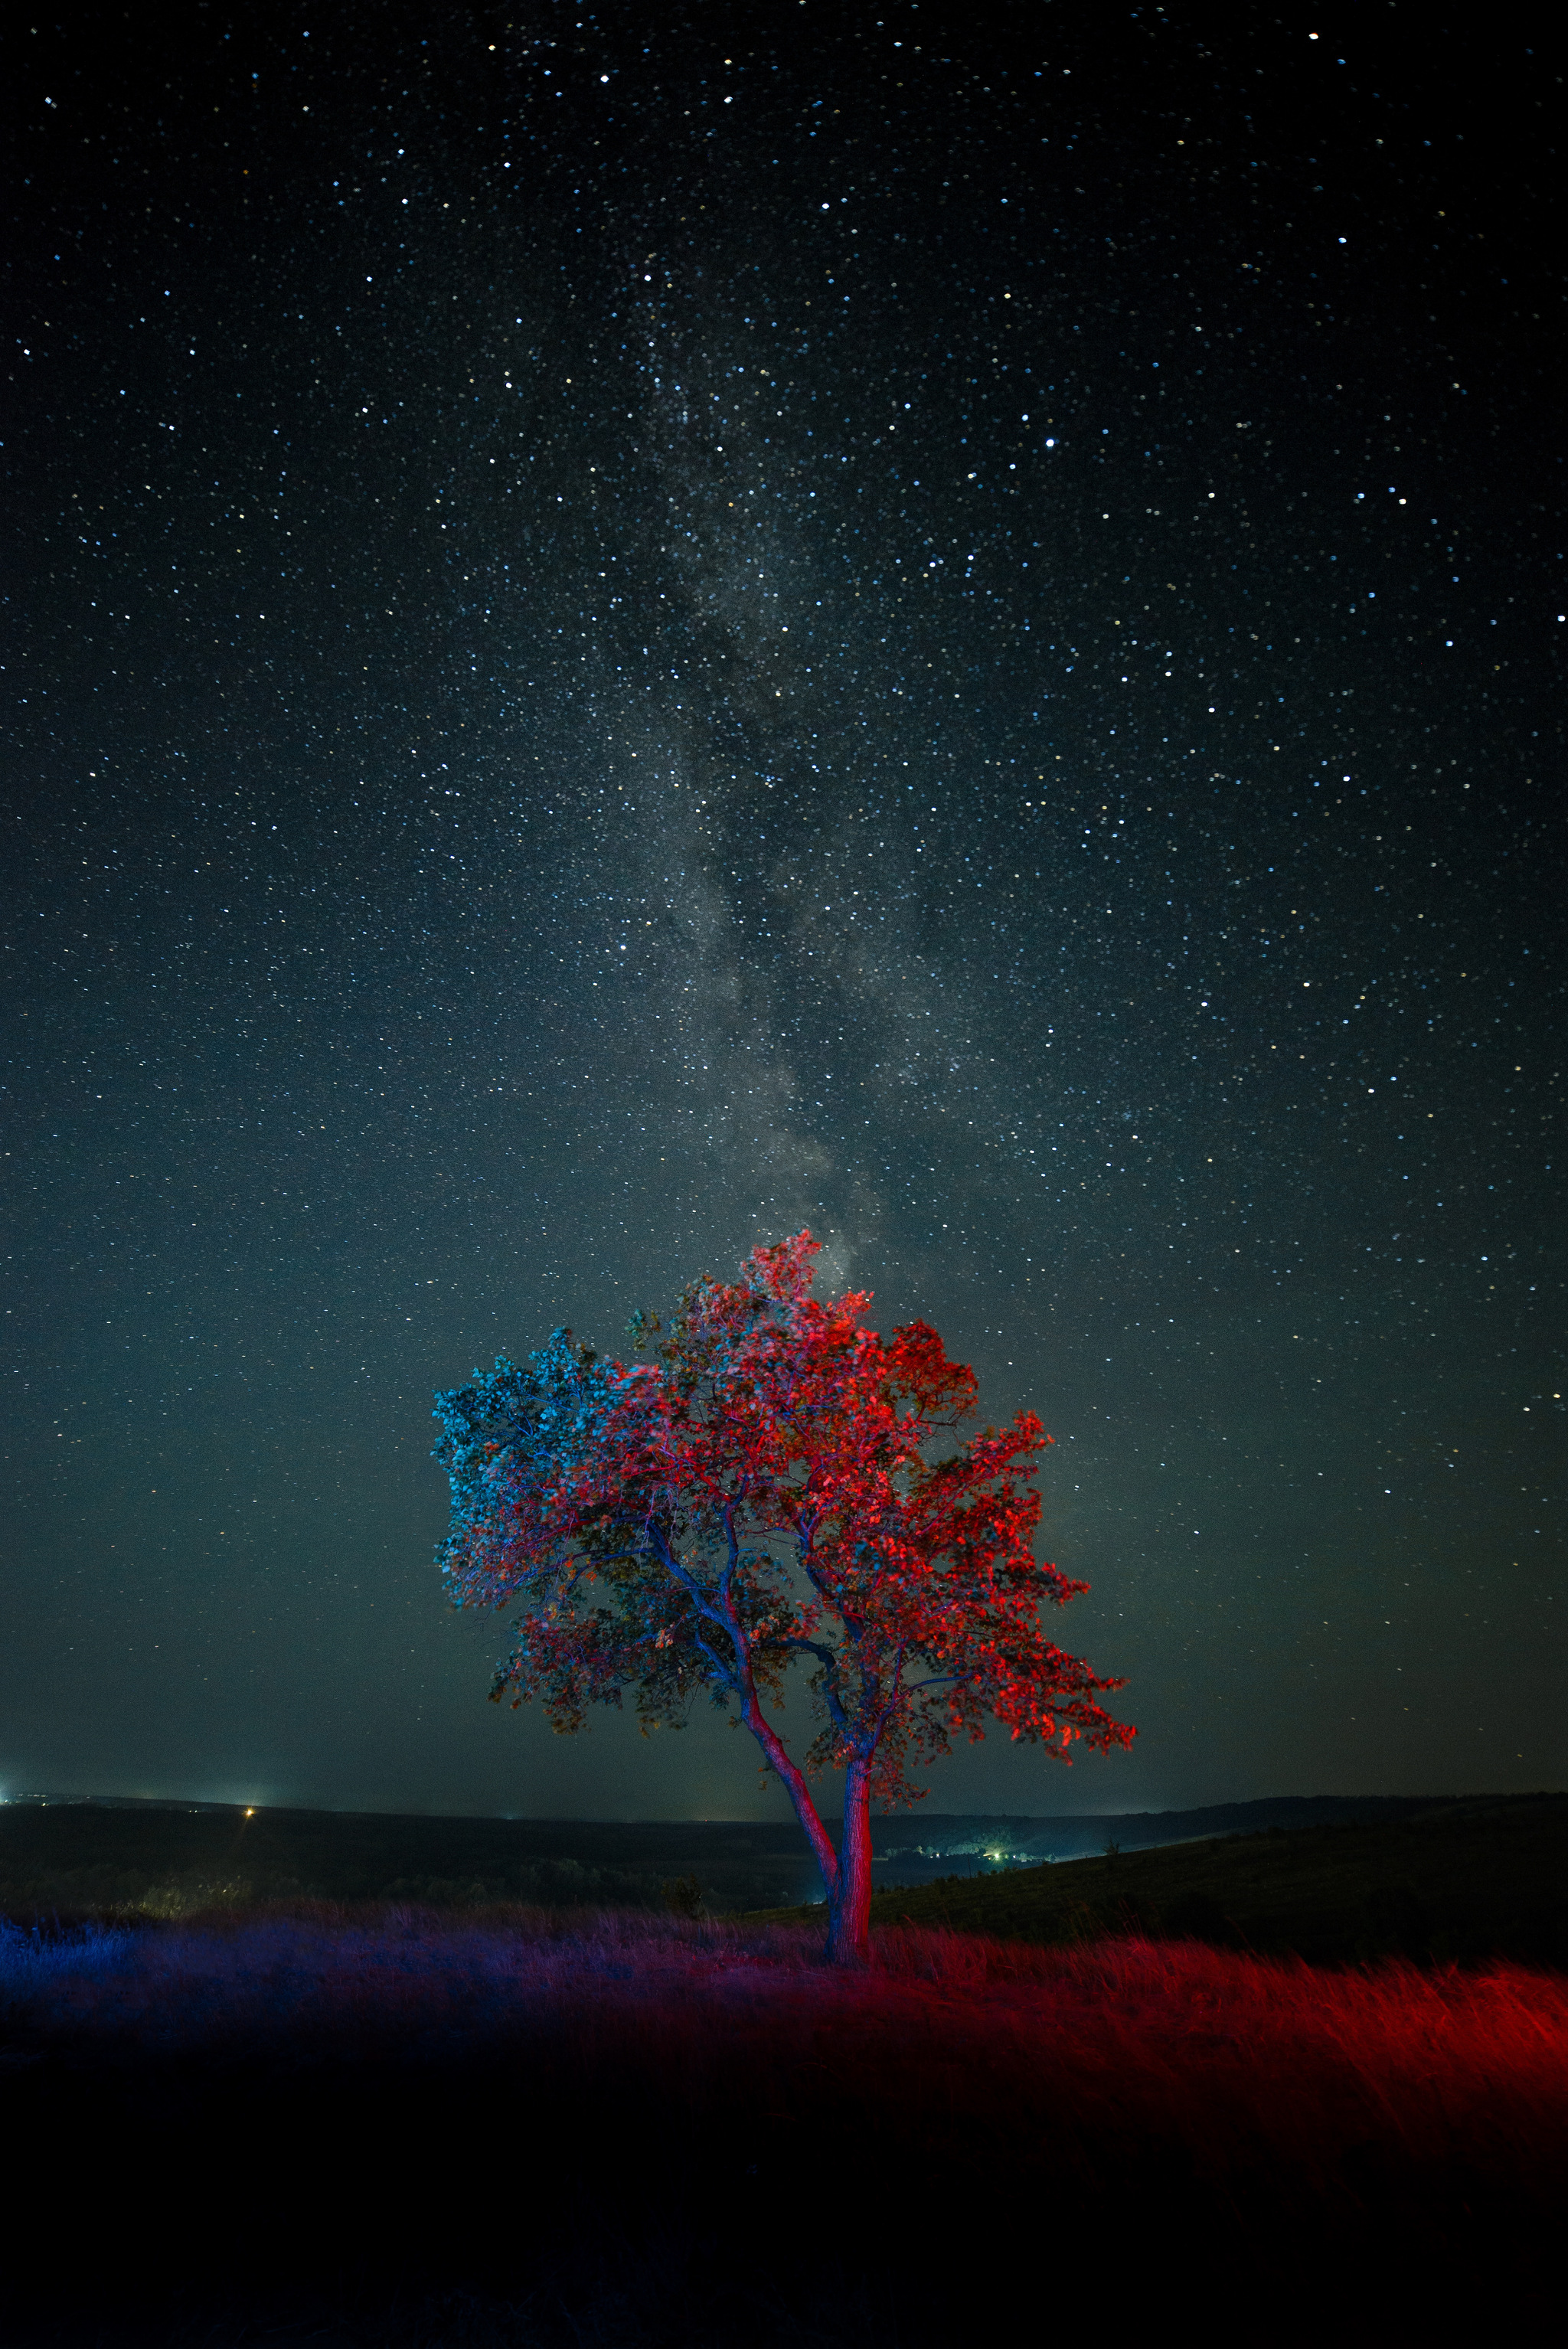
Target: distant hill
x=93, y=1857
x=1471, y=1877
x=165, y=1859
x=919, y=1846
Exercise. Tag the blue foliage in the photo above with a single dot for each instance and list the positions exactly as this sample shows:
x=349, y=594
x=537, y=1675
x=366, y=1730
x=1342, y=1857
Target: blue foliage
x=512, y=1424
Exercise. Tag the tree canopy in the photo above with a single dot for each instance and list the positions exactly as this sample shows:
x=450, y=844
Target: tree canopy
x=775, y=1490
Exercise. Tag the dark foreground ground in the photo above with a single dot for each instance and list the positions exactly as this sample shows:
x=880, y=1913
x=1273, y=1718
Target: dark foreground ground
x=399, y=2130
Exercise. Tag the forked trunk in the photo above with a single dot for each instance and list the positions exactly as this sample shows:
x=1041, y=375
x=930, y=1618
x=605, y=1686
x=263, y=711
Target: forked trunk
x=793, y=1780
x=849, y=1902
x=847, y=1873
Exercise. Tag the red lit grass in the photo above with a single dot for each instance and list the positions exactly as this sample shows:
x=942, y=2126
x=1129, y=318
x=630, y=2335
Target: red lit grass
x=525, y=2096
x=1225, y=2052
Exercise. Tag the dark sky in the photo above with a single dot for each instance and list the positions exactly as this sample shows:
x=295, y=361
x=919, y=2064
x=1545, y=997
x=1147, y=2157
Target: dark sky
x=630, y=629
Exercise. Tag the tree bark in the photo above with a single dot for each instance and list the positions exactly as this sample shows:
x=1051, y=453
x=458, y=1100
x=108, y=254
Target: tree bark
x=800, y=1792
x=847, y=1873
x=850, y=1906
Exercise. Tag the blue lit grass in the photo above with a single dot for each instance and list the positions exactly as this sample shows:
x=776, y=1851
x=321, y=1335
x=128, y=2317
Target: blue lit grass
x=557, y=2115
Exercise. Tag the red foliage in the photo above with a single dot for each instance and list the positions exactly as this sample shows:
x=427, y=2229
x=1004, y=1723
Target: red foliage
x=778, y=1485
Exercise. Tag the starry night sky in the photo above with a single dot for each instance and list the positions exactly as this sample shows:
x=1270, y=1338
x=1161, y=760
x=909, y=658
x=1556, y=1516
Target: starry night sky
x=630, y=629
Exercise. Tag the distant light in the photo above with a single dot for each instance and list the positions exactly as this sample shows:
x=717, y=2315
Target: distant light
x=249, y=1815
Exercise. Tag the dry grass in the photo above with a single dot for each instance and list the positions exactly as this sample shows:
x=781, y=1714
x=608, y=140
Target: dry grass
x=519, y=2068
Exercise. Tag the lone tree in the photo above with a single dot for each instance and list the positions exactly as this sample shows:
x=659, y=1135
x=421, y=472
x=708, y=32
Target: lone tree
x=777, y=1485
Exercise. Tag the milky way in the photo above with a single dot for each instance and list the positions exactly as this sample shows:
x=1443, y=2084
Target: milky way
x=633, y=632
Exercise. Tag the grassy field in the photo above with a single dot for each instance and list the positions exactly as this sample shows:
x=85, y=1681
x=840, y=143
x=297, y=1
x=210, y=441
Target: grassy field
x=1277, y=2084
x=399, y=2130
x=1467, y=1881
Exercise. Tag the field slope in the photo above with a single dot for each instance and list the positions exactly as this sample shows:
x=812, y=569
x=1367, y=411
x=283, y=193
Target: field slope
x=1469, y=1880
x=388, y=2129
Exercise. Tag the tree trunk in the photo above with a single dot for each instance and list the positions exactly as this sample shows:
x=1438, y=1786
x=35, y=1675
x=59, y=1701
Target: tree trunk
x=846, y=1874
x=793, y=1779
x=850, y=1904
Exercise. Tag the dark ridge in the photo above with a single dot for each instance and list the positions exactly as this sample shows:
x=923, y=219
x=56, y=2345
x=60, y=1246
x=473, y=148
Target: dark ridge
x=86, y=1856
x=1481, y=1877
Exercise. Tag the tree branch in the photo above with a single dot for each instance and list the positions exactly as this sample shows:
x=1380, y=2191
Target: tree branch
x=830, y=1665
x=733, y=1678
x=890, y=1707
